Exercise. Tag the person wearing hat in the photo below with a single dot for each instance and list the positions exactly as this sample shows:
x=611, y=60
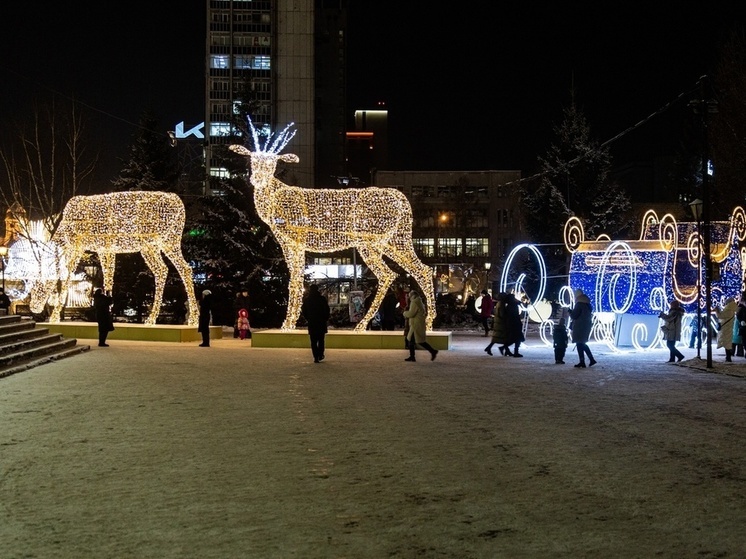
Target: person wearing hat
x=205, y=307
x=582, y=322
x=672, y=329
x=725, y=318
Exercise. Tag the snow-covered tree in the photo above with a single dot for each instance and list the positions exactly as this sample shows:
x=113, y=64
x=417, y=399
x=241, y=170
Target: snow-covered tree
x=578, y=169
x=152, y=163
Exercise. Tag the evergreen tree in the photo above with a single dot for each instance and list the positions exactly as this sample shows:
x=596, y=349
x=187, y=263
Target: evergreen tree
x=574, y=181
x=230, y=246
x=233, y=249
x=151, y=164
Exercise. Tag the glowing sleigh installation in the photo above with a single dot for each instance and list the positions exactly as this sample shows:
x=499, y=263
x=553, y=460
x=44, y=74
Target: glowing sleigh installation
x=630, y=282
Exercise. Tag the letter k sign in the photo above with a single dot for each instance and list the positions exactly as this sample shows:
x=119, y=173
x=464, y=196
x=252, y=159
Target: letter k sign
x=196, y=131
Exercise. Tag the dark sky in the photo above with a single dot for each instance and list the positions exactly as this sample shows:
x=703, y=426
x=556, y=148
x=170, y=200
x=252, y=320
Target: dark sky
x=478, y=85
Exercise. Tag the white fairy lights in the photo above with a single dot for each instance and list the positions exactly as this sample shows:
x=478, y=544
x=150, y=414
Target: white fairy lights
x=147, y=222
x=375, y=221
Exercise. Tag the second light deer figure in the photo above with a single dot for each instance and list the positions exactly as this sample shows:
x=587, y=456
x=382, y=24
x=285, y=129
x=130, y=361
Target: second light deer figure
x=377, y=222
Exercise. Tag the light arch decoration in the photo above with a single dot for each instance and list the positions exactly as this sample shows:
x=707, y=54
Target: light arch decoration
x=377, y=222
x=148, y=222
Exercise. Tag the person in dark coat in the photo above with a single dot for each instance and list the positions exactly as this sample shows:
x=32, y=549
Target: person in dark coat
x=102, y=307
x=4, y=302
x=388, y=310
x=559, y=340
x=514, y=325
x=315, y=309
x=205, y=309
x=582, y=321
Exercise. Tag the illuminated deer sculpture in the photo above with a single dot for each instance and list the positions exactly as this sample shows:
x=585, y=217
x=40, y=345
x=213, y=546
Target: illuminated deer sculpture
x=150, y=223
x=375, y=221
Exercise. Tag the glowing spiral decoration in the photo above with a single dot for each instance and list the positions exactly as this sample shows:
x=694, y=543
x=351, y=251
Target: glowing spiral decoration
x=574, y=234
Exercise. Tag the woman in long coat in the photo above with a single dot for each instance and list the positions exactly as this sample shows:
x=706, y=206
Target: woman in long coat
x=672, y=329
x=725, y=318
x=582, y=321
x=499, y=326
x=416, y=315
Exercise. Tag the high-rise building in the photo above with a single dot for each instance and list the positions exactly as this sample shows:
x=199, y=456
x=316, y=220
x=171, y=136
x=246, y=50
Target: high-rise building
x=288, y=58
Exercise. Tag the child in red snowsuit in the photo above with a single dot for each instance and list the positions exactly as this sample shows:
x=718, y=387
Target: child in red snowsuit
x=244, y=329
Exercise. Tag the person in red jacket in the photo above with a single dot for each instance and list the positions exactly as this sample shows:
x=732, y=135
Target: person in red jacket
x=486, y=306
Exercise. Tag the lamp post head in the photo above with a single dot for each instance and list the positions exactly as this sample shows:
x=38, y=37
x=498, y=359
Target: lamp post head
x=696, y=206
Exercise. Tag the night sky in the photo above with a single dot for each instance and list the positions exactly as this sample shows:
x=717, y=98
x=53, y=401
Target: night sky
x=476, y=86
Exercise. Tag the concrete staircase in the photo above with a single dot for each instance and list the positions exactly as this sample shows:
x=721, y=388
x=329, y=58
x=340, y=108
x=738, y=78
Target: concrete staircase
x=24, y=345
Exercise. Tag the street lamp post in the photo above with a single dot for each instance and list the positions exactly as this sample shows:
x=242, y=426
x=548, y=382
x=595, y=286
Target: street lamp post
x=3, y=254
x=704, y=106
x=696, y=207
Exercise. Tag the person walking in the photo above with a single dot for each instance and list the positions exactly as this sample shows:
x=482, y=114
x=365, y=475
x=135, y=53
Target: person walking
x=514, y=325
x=416, y=315
x=581, y=316
x=205, y=310
x=725, y=317
x=499, y=326
x=559, y=340
x=672, y=329
x=315, y=309
x=102, y=308
x=486, y=307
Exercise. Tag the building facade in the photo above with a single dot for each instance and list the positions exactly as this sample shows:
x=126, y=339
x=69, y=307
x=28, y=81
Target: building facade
x=464, y=222
x=287, y=58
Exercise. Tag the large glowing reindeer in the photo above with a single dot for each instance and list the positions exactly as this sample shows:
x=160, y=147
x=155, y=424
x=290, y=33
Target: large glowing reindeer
x=375, y=221
x=150, y=223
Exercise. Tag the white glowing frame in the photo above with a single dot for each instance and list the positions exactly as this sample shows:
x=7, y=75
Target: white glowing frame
x=32, y=258
x=375, y=221
x=151, y=223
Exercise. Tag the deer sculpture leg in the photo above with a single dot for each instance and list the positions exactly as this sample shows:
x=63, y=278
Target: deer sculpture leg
x=296, y=262
x=108, y=262
x=153, y=259
x=174, y=254
x=385, y=277
x=70, y=259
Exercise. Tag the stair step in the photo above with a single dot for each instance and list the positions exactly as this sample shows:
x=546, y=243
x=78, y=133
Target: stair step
x=31, y=363
x=23, y=345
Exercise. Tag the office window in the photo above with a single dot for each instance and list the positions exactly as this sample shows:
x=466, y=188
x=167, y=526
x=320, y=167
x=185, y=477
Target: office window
x=477, y=247
x=220, y=129
x=219, y=61
x=425, y=247
x=449, y=247
x=249, y=62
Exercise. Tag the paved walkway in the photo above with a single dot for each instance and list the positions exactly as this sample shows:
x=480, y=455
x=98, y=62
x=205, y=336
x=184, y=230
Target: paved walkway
x=161, y=450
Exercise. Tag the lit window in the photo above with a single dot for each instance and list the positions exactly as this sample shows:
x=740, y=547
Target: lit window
x=219, y=61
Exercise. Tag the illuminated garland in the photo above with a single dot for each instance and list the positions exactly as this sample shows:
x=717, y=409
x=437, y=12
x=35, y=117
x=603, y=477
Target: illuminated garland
x=375, y=221
x=32, y=258
x=150, y=223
